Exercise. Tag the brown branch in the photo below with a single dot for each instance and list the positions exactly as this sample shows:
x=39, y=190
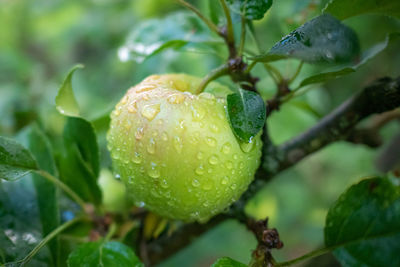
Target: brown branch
x=381, y=96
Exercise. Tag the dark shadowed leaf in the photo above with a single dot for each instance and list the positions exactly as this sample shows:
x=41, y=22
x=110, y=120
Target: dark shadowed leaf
x=246, y=113
x=251, y=9
x=65, y=100
x=176, y=30
x=227, y=262
x=79, y=166
x=343, y=9
x=323, y=39
x=365, y=224
x=338, y=72
x=110, y=254
x=15, y=160
x=47, y=196
x=20, y=228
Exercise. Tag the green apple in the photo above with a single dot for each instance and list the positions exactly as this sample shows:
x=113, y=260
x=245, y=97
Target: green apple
x=175, y=150
x=113, y=192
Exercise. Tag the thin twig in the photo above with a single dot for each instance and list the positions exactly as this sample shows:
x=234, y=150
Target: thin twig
x=214, y=74
x=230, y=37
x=242, y=35
x=207, y=21
x=50, y=236
x=296, y=73
x=64, y=187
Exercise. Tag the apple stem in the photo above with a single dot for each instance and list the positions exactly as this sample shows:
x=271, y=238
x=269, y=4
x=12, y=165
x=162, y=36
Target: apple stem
x=214, y=74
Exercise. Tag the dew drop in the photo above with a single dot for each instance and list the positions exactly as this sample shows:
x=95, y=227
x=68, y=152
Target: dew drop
x=140, y=204
x=178, y=144
x=164, y=136
x=229, y=164
x=247, y=147
x=154, y=172
x=151, y=146
x=235, y=156
x=213, y=160
x=200, y=170
x=207, y=185
x=198, y=113
x=176, y=98
x=214, y=128
x=200, y=155
x=207, y=96
x=150, y=111
x=211, y=141
x=117, y=112
x=145, y=88
x=233, y=186
x=125, y=100
x=225, y=180
x=241, y=165
x=136, y=158
x=195, y=183
x=139, y=133
x=132, y=107
x=117, y=176
x=164, y=184
x=226, y=148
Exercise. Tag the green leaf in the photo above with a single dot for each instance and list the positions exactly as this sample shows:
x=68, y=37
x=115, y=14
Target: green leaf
x=15, y=160
x=227, y=262
x=367, y=55
x=246, y=111
x=47, y=193
x=251, y=9
x=65, y=100
x=108, y=254
x=365, y=224
x=20, y=228
x=177, y=30
x=343, y=9
x=79, y=165
x=323, y=39
x=215, y=11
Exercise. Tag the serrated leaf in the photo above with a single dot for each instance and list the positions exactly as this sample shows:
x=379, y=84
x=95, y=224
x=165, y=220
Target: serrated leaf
x=252, y=9
x=227, y=262
x=343, y=9
x=66, y=103
x=365, y=224
x=246, y=112
x=79, y=166
x=176, y=30
x=323, y=39
x=47, y=193
x=15, y=160
x=367, y=55
x=108, y=254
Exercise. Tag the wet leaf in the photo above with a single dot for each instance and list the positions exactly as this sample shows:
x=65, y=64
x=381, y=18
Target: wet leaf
x=252, y=9
x=108, y=254
x=15, y=160
x=338, y=72
x=365, y=224
x=47, y=196
x=177, y=30
x=246, y=113
x=20, y=228
x=65, y=100
x=323, y=39
x=79, y=165
x=343, y=9
x=227, y=262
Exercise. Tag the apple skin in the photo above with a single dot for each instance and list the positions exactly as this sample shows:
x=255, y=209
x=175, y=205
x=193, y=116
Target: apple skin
x=175, y=151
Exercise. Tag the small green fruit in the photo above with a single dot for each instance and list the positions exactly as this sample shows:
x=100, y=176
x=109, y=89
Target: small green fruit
x=113, y=192
x=176, y=152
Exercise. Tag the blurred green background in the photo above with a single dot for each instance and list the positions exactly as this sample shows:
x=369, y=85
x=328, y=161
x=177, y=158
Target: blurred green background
x=41, y=40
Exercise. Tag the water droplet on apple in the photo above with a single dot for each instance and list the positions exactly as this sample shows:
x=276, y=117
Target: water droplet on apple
x=151, y=146
x=213, y=160
x=178, y=144
x=150, y=111
x=226, y=148
x=211, y=141
x=195, y=183
x=200, y=170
